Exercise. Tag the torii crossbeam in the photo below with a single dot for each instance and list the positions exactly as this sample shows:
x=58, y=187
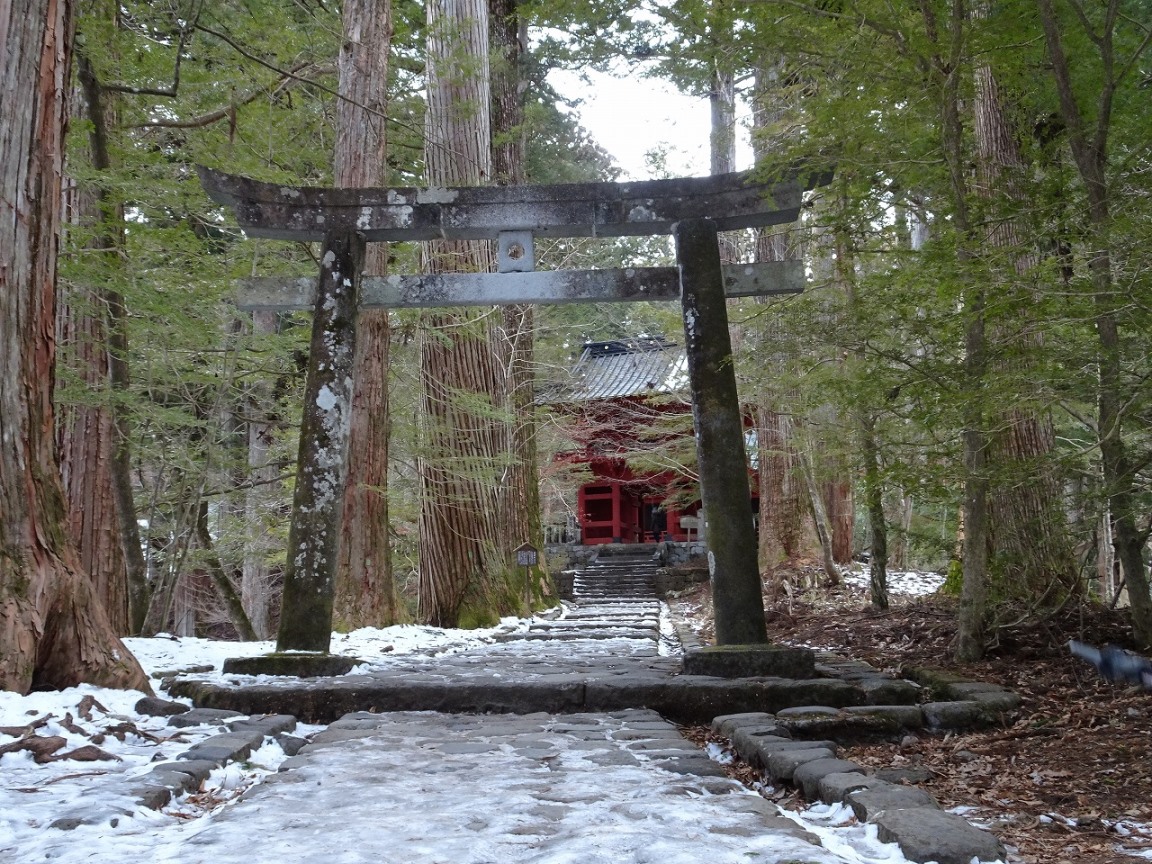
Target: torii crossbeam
x=692, y=210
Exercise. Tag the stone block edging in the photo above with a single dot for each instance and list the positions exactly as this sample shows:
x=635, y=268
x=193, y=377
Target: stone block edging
x=905, y=815
x=188, y=770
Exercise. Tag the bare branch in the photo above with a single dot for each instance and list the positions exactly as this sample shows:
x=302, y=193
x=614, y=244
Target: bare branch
x=167, y=92
x=227, y=111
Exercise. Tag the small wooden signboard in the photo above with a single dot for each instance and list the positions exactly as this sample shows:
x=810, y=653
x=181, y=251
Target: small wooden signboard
x=527, y=556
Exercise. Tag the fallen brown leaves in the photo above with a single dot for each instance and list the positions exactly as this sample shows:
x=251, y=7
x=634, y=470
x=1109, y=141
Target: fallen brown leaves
x=45, y=748
x=1065, y=782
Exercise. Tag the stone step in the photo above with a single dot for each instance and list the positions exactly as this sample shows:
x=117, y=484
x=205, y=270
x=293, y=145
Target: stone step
x=574, y=635
x=595, y=626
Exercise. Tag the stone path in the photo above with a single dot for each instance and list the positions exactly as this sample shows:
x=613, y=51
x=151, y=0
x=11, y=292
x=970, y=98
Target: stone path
x=423, y=788
x=576, y=731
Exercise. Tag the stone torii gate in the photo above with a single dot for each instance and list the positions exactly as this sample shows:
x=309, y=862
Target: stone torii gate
x=692, y=210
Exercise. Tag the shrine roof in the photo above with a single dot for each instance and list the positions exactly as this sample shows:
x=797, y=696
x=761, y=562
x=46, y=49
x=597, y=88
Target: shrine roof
x=625, y=367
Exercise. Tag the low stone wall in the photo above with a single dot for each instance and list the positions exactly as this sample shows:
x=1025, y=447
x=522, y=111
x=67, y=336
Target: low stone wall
x=564, y=582
x=671, y=580
x=568, y=556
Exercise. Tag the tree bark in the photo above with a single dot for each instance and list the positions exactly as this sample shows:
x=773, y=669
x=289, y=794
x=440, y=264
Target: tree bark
x=54, y=632
x=508, y=35
x=365, y=591
x=972, y=620
x=820, y=518
x=1028, y=531
x=1090, y=153
x=781, y=490
x=465, y=573
x=722, y=106
x=877, y=523
x=781, y=528
x=95, y=457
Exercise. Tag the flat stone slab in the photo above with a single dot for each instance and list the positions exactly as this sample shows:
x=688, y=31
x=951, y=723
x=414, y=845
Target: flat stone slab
x=808, y=776
x=834, y=788
x=203, y=717
x=933, y=835
x=154, y=707
x=869, y=803
x=726, y=723
x=783, y=764
x=958, y=715
x=271, y=724
x=900, y=716
x=853, y=721
x=299, y=665
x=751, y=661
x=947, y=686
x=890, y=691
x=469, y=683
x=222, y=749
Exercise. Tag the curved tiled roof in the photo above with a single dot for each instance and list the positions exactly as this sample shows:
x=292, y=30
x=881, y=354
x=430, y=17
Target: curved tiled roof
x=625, y=367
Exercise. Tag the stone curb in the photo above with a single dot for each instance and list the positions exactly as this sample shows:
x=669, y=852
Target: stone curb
x=905, y=815
x=187, y=771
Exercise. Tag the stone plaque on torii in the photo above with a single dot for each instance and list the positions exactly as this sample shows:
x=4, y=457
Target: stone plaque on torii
x=692, y=210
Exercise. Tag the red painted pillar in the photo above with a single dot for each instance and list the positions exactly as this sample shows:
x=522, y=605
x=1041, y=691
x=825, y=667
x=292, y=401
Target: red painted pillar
x=617, y=516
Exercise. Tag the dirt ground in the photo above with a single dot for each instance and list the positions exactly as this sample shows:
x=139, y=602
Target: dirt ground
x=1067, y=780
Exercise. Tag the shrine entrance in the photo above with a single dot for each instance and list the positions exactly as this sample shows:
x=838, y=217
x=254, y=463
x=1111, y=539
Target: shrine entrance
x=692, y=210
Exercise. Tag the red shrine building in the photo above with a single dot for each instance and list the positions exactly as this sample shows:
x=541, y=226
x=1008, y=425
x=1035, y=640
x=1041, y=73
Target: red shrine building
x=630, y=415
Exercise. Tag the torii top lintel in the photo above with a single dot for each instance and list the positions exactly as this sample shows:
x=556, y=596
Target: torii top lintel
x=732, y=201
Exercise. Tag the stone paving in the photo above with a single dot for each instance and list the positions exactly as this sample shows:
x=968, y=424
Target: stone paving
x=583, y=700
x=416, y=787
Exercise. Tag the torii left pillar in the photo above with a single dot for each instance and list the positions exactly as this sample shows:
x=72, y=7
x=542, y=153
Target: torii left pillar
x=321, y=462
x=719, y=425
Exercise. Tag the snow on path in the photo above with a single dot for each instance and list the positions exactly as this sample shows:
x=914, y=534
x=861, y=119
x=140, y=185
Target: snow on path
x=405, y=794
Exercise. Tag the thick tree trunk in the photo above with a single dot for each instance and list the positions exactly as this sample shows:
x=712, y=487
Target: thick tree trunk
x=465, y=573
x=87, y=442
x=782, y=499
x=94, y=454
x=781, y=488
x=1090, y=152
x=365, y=592
x=972, y=619
x=508, y=35
x=1027, y=525
x=54, y=631
x=840, y=503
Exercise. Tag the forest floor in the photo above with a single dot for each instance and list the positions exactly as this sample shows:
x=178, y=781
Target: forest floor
x=1067, y=780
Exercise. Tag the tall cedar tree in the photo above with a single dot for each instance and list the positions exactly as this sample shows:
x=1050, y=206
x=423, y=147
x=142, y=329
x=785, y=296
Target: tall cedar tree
x=365, y=594
x=54, y=631
x=464, y=575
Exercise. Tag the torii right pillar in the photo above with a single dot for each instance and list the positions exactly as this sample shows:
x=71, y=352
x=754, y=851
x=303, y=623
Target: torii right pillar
x=719, y=424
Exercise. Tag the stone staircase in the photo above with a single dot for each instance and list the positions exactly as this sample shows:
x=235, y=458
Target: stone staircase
x=614, y=598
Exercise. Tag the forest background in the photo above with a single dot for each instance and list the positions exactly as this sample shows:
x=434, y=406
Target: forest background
x=963, y=385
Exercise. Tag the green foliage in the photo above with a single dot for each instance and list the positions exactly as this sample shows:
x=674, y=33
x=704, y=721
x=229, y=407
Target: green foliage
x=880, y=329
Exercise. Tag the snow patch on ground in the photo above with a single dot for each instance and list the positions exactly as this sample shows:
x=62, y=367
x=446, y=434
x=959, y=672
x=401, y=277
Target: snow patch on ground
x=900, y=583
